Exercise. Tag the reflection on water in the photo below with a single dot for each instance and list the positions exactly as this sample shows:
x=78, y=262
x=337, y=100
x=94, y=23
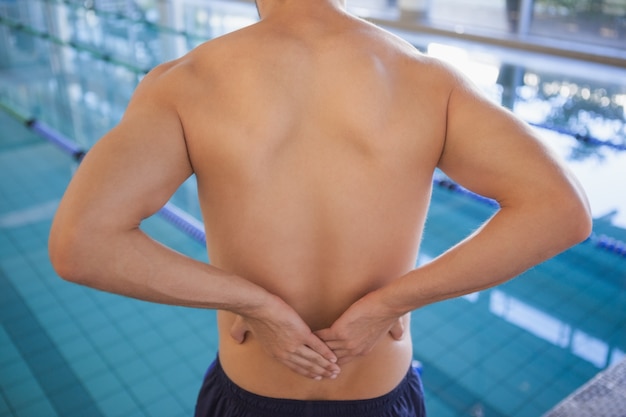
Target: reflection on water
x=590, y=111
x=553, y=330
x=74, y=66
x=580, y=112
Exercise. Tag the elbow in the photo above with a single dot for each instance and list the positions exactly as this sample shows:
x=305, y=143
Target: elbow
x=64, y=251
x=577, y=217
x=585, y=226
x=62, y=261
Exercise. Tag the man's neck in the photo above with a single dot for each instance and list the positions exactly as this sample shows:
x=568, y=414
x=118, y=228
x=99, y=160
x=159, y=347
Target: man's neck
x=267, y=8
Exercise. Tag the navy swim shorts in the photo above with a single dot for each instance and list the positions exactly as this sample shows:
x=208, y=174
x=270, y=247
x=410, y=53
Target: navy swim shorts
x=220, y=397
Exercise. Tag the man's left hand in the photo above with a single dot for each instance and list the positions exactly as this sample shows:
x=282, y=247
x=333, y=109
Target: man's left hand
x=360, y=327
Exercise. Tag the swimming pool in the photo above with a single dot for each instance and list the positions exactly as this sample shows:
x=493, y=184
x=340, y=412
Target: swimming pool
x=515, y=350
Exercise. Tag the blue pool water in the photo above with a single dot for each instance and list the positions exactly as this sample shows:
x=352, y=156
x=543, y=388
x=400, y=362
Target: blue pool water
x=515, y=350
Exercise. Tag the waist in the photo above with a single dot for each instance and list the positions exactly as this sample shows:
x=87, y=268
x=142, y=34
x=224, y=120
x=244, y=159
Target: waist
x=248, y=403
x=370, y=376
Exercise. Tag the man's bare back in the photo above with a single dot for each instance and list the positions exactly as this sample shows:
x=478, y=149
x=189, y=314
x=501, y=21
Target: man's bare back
x=314, y=137
x=312, y=179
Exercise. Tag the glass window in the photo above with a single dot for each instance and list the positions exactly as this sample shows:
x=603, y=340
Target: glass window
x=582, y=24
x=601, y=22
x=480, y=14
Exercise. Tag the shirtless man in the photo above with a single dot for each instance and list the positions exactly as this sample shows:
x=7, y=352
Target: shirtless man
x=313, y=136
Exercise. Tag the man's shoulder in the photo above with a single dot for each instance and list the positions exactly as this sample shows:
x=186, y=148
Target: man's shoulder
x=381, y=42
x=212, y=54
x=217, y=53
x=221, y=44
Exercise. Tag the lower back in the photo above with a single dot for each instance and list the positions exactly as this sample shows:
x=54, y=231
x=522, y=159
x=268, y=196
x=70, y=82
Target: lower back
x=369, y=376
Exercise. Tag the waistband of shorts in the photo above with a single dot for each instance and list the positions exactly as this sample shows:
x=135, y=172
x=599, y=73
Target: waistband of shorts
x=289, y=407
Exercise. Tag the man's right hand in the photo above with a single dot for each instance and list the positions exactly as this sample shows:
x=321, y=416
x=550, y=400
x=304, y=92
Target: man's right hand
x=286, y=337
x=361, y=326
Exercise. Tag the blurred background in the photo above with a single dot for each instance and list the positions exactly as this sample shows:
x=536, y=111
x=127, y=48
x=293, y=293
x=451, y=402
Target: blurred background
x=67, y=71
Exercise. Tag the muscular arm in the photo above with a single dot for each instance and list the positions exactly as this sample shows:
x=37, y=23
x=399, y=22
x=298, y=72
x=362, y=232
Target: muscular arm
x=129, y=174
x=543, y=209
x=543, y=212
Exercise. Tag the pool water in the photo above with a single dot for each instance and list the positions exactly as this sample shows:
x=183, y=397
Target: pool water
x=515, y=350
